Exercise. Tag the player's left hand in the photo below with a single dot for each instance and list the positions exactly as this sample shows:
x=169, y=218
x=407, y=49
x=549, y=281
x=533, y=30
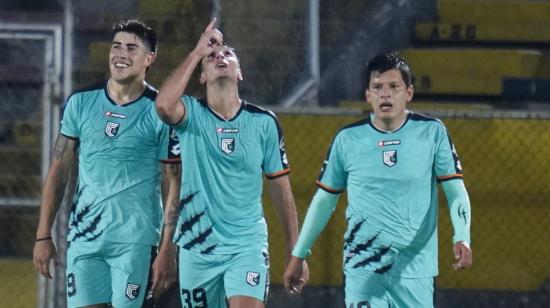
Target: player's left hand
x=164, y=271
x=463, y=255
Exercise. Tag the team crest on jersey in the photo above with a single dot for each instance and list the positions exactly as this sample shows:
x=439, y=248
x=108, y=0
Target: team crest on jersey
x=383, y=143
x=111, y=129
x=253, y=278
x=228, y=145
x=132, y=291
x=390, y=158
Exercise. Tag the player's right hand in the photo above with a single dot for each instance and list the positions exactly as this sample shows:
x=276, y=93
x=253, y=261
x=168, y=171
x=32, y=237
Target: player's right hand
x=164, y=270
x=295, y=276
x=210, y=38
x=43, y=253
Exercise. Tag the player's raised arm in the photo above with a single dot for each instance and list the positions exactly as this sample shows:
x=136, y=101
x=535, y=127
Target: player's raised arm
x=168, y=104
x=52, y=195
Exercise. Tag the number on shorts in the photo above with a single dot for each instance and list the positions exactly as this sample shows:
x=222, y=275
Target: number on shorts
x=364, y=304
x=71, y=285
x=197, y=297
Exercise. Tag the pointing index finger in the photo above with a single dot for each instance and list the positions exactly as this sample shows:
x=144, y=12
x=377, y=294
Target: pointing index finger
x=211, y=25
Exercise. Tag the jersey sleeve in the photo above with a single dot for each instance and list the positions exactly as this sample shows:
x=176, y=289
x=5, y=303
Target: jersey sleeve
x=69, y=119
x=189, y=103
x=333, y=176
x=275, y=161
x=447, y=165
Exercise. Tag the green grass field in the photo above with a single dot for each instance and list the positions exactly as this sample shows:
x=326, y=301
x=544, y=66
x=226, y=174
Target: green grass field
x=19, y=283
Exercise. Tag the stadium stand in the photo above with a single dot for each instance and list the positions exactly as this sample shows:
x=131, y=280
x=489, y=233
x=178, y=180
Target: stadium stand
x=517, y=70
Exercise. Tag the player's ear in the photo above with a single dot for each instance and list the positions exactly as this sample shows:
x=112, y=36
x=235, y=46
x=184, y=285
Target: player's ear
x=202, y=78
x=240, y=74
x=410, y=93
x=150, y=59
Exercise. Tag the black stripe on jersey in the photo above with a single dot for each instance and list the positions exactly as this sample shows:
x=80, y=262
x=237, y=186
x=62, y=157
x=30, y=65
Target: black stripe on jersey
x=90, y=230
x=375, y=258
x=353, y=232
x=209, y=249
x=187, y=200
x=188, y=225
x=199, y=239
x=383, y=269
x=78, y=216
x=361, y=247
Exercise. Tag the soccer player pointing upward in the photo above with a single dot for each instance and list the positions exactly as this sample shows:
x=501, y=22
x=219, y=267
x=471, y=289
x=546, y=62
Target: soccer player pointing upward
x=228, y=145
x=389, y=163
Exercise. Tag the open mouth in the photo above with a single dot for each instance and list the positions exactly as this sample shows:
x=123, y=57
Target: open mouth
x=385, y=106
x=121, y=65
x=221, y=65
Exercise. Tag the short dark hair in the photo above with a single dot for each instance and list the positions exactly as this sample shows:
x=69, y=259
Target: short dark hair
x=388, y=61
x=140, y=29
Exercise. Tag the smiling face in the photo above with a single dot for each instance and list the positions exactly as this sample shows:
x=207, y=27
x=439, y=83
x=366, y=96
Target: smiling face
x=129, y=58
x=388, y=95
x=221, y=64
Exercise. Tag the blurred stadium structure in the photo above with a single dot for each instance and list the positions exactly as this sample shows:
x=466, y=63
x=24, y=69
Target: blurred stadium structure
x=483, y=66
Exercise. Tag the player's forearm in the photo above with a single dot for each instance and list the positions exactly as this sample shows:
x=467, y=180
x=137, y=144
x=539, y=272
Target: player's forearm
x=168, y=100
x=55, y=184
x=320, y=210
x=459, y=209
x=281, y=194
x=171, y=189
x=52, y=195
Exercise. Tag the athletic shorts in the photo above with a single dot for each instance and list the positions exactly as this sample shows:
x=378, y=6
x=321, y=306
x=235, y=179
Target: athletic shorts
x=207, y=280
x=365, y=289
x=105, y=272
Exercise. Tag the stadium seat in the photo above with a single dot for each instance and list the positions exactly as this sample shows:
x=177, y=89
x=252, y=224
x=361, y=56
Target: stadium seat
x=469, y=71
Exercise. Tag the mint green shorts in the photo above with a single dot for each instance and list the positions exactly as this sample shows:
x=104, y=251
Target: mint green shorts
x=105, y=272
x=365, y=289
x=208, y=280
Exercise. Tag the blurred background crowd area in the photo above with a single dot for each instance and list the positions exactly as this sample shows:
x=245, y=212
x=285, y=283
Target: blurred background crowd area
x=482, y=66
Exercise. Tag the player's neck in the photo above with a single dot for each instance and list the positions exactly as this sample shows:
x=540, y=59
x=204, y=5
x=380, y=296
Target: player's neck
x=122, y=93
x=389, y=125
x=224, y=101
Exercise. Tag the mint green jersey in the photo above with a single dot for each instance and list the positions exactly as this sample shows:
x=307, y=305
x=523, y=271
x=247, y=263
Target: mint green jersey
x=391, y=181
x=223, y=166
x=119, y=164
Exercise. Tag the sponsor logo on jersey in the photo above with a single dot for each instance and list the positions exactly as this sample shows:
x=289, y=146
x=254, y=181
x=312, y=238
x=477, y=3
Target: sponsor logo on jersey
x=227, y=130
x=111, y=129
x=253, y=278
x=115, y=115
x=228, y=145
x=383, y=143
x=132, y=291
x=390, y=158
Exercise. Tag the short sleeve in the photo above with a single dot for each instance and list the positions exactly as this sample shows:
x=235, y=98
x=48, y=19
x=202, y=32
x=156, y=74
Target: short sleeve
x=275, y=161
x=69, y=118
x=333, y=175
x=447, y=164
